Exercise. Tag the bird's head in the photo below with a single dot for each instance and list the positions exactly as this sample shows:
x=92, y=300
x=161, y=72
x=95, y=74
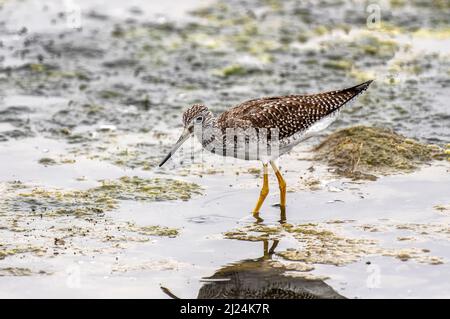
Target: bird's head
x=196, y=115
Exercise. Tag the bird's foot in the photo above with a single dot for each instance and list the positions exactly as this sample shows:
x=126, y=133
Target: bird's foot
x=282, y=212
x=256, y=216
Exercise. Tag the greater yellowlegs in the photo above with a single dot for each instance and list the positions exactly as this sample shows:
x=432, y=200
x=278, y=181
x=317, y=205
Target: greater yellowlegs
x=287, y=119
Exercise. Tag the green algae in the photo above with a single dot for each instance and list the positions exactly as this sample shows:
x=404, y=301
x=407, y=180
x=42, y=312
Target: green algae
x=37, y=67
x=64, y=216
x=20, y=272
x=76, y=203
x=234, y=69
x=155, y=189
x=338, y=64
x=322, y=244
x=359, y=152
x=98, y=200
x=310, y=183
x=376, y=46
x=244, y=35
x=143, y=233
x=160, y=231
x=47, y=161
x=254, y=171
x=206, y=47
x=442, y=208
x=258, y=232
x=437, y=33
x=7, y=250
x=15, y=271
x=109, y=94
x=129, y=155
x=152, y=265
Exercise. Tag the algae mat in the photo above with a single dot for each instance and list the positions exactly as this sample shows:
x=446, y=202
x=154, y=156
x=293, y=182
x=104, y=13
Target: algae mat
x=87, y=112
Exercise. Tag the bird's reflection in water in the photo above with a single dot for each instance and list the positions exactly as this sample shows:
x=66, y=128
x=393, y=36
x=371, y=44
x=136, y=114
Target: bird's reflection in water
x=258, y=278
x=259, y=220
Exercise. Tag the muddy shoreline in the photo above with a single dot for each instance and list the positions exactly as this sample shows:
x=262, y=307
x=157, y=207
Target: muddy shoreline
x=87, y=112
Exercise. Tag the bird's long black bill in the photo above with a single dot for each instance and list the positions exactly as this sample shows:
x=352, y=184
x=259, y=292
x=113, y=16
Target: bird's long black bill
x=177, y=145
x=165, y=159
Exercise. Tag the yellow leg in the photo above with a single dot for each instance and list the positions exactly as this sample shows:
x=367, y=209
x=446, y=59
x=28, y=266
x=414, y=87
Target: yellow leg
x=282, y=214
x=264, y=192
x=282, y=185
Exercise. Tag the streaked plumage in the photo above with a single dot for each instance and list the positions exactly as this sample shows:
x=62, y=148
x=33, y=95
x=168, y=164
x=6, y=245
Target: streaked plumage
x=294, y=117
x=290, y=113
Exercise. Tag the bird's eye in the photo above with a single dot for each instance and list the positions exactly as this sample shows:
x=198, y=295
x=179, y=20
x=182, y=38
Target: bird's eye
x=199, y=119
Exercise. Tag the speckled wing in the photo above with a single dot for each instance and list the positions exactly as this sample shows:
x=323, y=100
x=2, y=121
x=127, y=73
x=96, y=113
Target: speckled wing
x=291, y=113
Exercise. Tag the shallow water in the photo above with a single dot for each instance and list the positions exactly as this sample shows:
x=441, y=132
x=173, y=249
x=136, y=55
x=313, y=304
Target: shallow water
x=104, y=101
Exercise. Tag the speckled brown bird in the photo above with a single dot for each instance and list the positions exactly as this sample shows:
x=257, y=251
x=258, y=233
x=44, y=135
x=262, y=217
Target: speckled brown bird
x=265, y=128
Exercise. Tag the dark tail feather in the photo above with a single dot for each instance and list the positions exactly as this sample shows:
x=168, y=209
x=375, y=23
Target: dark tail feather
x=351, y=93
x=359, y=88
